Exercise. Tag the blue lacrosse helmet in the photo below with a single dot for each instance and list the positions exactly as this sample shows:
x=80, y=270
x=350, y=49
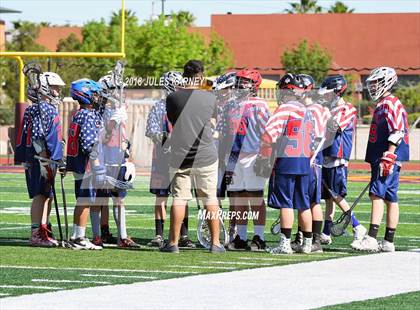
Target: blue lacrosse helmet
x=224, y=81
x=83, y=91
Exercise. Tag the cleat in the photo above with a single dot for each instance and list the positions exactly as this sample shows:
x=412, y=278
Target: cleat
x=38, y=241
x=257, y=244
x=127, y=243
x=367, y=244
x=316, y=247
x=97, y=241
x=359, y=232
x=297, y=243
x=326, y=239
x=167, y=248
x=50, y=232
x=185, y=242
x=386, y=246
x=284, y=246
x=45, y=234
x=156, y=242
x=217, y=249
x=106, y=236
x=238, y=244
x=83, y=244
x=306, y=247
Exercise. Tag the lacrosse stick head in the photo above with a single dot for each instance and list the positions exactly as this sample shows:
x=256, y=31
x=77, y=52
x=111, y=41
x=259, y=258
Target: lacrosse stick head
x=32, y=72
x=339, y=227
x=275, y=227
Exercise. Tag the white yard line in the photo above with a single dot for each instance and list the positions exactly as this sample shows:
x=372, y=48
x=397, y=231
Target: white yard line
x=117, y=276
x=278, y=287
x=235, y=263
x=4, y=294
x=95, y=269
x=201, y=267
x=32, y=287
x=69, y=281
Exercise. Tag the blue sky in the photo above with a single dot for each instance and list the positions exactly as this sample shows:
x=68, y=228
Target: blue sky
x=78, y=12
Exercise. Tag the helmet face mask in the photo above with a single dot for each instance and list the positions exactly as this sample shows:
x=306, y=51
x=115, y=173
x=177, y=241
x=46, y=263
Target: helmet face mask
x=171, y=81
x=381, y=81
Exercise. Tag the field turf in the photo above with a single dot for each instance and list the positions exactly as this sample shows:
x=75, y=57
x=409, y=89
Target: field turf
x=26, y=270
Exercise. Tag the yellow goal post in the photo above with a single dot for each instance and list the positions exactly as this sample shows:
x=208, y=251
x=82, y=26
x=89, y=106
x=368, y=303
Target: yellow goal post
x=19, y=55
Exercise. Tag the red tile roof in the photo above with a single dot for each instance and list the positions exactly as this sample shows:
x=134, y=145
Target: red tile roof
x=354, y=40
x=50, y=36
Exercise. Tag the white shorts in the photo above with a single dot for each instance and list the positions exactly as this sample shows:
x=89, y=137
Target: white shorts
x=244, y=178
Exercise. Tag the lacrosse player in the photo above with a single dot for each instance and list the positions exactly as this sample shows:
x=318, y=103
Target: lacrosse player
x=158, y=129
x=223, y=87
x=83, y=150
x=320, y=115
x=337, y=155
x=243, y=124
x=290, y=132
x=115, y=152
x=40, y=134
x=387, y=148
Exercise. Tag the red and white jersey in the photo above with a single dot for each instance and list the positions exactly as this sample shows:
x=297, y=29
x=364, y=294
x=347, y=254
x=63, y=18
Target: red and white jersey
x=291, y=129
x=389, y=117
x=345, y=115
x=320, y=115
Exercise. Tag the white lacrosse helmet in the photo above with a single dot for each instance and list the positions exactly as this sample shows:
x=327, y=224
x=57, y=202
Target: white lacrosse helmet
x=380, y=81
x=47, y=80
x=107, y=82
x=170, y=81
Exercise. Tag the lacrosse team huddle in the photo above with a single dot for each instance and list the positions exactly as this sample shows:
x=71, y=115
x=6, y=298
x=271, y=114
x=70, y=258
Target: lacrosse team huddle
x=213, y=145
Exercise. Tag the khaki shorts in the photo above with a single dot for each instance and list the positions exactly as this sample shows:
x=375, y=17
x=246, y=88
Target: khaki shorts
x=204, y=179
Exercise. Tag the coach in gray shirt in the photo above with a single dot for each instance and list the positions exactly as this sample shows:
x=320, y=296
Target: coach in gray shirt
x=193, y=162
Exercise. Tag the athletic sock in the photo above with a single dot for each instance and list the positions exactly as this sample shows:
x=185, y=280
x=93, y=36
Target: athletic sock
x=354, y=221
x=123, y=227
x=35, y=226
x=80, y=231
x=184, y=227
x=307, y=234
x=389, y=234
x=373, y=230
x=242, y=232
x=287, y=232
x=159, y=227
x=316, y=227
x=73, y=236
x=327, y=227
x=259, y=231
x=95, y=219
x=299, y=229
x=115, y=212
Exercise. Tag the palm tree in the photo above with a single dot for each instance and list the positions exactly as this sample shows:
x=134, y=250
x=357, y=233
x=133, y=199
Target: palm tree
x=304, y=6
x=340, y=7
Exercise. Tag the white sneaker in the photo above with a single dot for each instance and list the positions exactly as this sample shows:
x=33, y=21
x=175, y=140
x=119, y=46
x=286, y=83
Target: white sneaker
x=83, y=244
x=367, y=244
x=359, y=232
x=284, y=246
x=386, y=246
x=306, y=246
x=326, y=239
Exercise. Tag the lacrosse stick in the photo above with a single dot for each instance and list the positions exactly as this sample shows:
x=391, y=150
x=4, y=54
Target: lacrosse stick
x=340, y=225
x=275, y=227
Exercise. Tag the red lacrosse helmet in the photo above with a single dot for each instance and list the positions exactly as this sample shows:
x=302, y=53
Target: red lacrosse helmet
x=247, y=78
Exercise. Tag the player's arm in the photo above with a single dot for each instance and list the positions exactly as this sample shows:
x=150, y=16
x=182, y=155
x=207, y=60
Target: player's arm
x=394, y=119
x=154, y=126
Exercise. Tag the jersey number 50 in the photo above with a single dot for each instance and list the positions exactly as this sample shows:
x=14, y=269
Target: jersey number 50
x=299, y=136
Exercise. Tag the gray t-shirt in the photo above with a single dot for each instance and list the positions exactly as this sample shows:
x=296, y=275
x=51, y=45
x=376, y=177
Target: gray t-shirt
x=189, y=111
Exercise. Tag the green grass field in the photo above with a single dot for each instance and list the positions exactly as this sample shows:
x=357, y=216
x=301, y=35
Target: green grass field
x=26, y=270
